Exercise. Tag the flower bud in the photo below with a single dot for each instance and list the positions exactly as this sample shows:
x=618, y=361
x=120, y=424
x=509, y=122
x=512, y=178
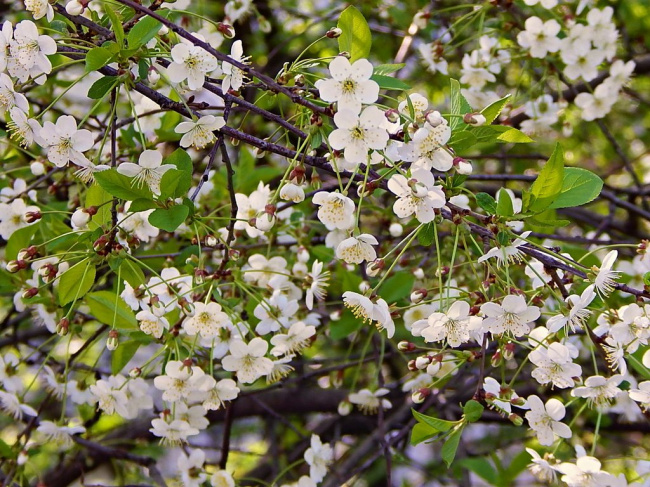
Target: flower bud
x=364, y=286
x=418, y=273
x=74, y=8
x=334, y=32
x=420, y=395
x=63, y=326
x=406, y=346
x=80, y=218
x=211, y=241
x=418, y=295
x=515, y=419
x=392, y=115
x=509, y=351
x=396, y=230
x=14, y=266
x=113, y=340
x=375, y=267
x=475, y=119
x=422, y=362
x=344, y=408
x=518, y=401
x=226, y=30
x=264, y=222
x=32, y=216
x=411, y=366
x=153, y=76
x=100, y=243
x=434, y=118
x=30, y=293
x=335, y=315
x=297, y=175
x=28, y=253
x=496, y=359
x=234, y=254
x=302, y=255
x=463, y=166
x=37, y=168
x=434, y=367
x=135, y=372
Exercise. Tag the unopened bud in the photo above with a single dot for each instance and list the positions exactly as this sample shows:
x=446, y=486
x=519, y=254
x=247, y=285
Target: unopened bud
x=419, y=396
x=334, y=32
x=14, y=266
x=135, y=372
x=264, y=222
x=265, y=25
x=411, y=366
x=33, y=216
x=113, y=340
x=509, y=351
x=434, y=118
x=74, y=7
x=344, y=408
x=418, y=273
x=375, y=267
x=392, y=115
x=335, y=315
x=496, y=359
x=80, y=218
x=422, y=362
x=515, y=419
x=475, y=119
x=153, y=76
x=27, y=254
x=62, y=327
x=396, y=230
x=292, y=192
x=226, y=30
x=405, y=346
x=30, y=293
x=418, y=295
x=518, y=401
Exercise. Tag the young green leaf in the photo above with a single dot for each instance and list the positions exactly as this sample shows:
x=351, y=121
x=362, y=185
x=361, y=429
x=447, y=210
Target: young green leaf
x=440, y=425
x=355, y=35
x=450, y=447
x=579, y=187
x=122, y=186
x=116, y=25
x=422, y=432
x=514, y=136
x=143, y=32
x=110, y=309
x=426, y=234
x=548, y=184
x=101, y=87
x=96, y=58
x=76, y=281
x=389, y=83
x=123, y=354
x=473, y=411
x=459, y=106
x=492, y=111
x=487, y=202
x=397, y=287
x=384, y=69
x=169, y=219
x=504, y=205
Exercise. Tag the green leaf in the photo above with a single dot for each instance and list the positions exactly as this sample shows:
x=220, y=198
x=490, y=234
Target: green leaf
x=487, y=202
x=110, y=309
x=459, y=105
x=121, y=186
x=142, y=204
x=102, y=86
x=579, y=186
x=183, y=162
x=169, y=219
x=97, y=57
x=514, y=136
x=492, y=111
x=121, y=356
x=548, y=184
x=538, y=222
x=450, y=447
x=98, y=197
x=426, y=234
x=143, y=32
x=383, y=69
x=482, y=467
x=504, y=204
x=116, y=25
x=76, y=281
x=440, y=425
x=397, y=287
x=462, y=140
x=131, y=273
x=345, y=326
x=19, y=240
x=5, y=450
x=473, y=411
x=169, y=184
x=389, y=83
x=518, y=464
x=355, y=37
x=422, y=432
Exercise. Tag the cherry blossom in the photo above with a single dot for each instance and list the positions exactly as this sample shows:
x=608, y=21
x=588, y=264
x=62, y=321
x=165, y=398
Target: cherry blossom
x=545, y=420
x=248, y=360
x=350, y=85
x=149, y=170
x=513, y=316
x=416, y=195
x=356, y=134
